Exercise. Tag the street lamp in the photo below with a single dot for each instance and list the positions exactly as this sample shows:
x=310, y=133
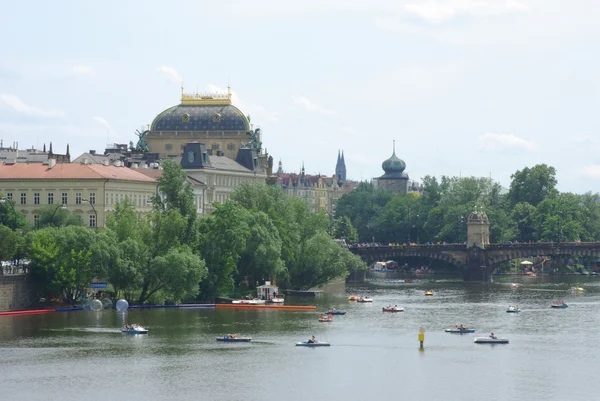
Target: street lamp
x=418, y=243
x=63, y=207
x=9, y=202
x=95, y=212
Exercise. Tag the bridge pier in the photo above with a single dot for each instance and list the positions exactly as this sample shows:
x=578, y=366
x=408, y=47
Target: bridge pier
x=477, y=272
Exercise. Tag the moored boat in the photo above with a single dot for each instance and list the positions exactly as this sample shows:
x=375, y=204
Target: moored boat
x=353, y=298
x=277, y=300
x=392, y=309
x=490, y=340
x=513, y=309
x=134, y=329
x=311, y=344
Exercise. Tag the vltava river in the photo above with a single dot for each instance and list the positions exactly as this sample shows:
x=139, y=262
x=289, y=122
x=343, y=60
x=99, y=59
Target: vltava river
x=552, y=355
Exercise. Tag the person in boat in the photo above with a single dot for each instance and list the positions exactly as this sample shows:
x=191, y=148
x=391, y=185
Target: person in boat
x=493, y=337
x=312, y=340
x=395, y=306
x=232, y=336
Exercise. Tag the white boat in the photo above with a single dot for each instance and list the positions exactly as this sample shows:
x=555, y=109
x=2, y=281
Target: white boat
x=277, y=300
x=365, y=299
x=513, y=309
x=256, y=302
x=490, y=340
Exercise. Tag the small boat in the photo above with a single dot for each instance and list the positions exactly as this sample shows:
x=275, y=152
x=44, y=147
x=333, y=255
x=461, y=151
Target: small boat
x=577, y=289
x=429, y=292
x=277, y=300
x=353, y=298
x=228, y=339
x=256, y=302
x=559, y=305
x=513, y=309
x=335, y=312
x=392, y=309
x=315, y=344
x=134, y=330
x=457, y=330
x=408, y=281
x=514, y=285
x=490, y=340
x=365, y=299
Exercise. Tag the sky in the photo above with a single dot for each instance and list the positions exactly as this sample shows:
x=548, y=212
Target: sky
x=464, y=87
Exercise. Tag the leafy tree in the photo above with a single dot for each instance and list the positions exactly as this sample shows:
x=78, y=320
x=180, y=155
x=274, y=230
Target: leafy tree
x=532, y=185
x=61, y=263
x=176, y=274
x=10, y=242
x=9, y=216
x=175, y=192
x=56, y=216
x=342, y=228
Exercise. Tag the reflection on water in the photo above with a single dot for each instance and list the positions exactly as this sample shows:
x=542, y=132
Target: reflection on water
x=550, y=356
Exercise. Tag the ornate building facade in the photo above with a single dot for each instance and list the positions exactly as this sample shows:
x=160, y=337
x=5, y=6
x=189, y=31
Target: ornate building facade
x=207, y=118
x=319, y=191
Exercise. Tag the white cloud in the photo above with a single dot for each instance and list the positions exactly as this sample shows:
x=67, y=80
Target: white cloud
x=591, y=171
x=499, y=142
x=16, y=104
x=349, y=130
x=82, y=70
x=262, y=114
x=310, y=106
x=436, y=11
x=102, y=122
x=359, y=158
x=170, y=74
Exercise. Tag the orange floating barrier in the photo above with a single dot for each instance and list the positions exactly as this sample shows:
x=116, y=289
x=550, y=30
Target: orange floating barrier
x=279, y=307
x=26, y=312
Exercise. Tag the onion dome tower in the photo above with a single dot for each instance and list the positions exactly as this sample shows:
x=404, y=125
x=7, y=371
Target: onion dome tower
x=395, y=179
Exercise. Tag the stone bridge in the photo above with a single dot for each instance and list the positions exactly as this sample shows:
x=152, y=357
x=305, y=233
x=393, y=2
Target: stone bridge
x=476, y=263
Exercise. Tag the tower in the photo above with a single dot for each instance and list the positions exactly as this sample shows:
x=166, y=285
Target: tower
x=340, y=167
x=478, y=230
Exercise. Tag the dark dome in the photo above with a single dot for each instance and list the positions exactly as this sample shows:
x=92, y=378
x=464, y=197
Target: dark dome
x=201, y=118
x=393, y=167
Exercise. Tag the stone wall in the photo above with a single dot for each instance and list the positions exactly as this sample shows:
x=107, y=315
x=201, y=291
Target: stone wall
x=16, y=292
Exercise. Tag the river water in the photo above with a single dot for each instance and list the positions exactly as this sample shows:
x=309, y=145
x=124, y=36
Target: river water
x=552, y=355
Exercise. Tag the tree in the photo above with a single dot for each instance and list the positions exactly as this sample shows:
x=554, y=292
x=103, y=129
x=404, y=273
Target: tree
x=342, y=228
x=61, y=263
x=10, y=243
x=9, y=216
x=532, y=185
x=56, y=216
x=175, y=192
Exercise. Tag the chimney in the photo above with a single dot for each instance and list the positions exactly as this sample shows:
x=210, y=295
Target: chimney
x=85, y=161
x=92, y=152
x=105, y=162
x=51, y=163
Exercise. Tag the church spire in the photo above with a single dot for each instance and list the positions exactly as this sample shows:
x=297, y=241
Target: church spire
x=50, y=153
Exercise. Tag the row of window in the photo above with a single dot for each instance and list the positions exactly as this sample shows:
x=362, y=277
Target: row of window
x=92, y=220
x=64, y=198
x=214, y=146
x=135, y=199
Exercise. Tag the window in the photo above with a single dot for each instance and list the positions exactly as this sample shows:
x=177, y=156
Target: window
x=36, y=198
x=215, y=146
x=65, y=198
x=23, y=198
x=230, y=146
x=78, y=198
x=168, y=146
x=92, y=220
x=92, y=198
x=9, y=196
x=36, y=220
x=50, y=198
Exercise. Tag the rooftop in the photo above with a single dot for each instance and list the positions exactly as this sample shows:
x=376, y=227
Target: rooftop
x=37, y=171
